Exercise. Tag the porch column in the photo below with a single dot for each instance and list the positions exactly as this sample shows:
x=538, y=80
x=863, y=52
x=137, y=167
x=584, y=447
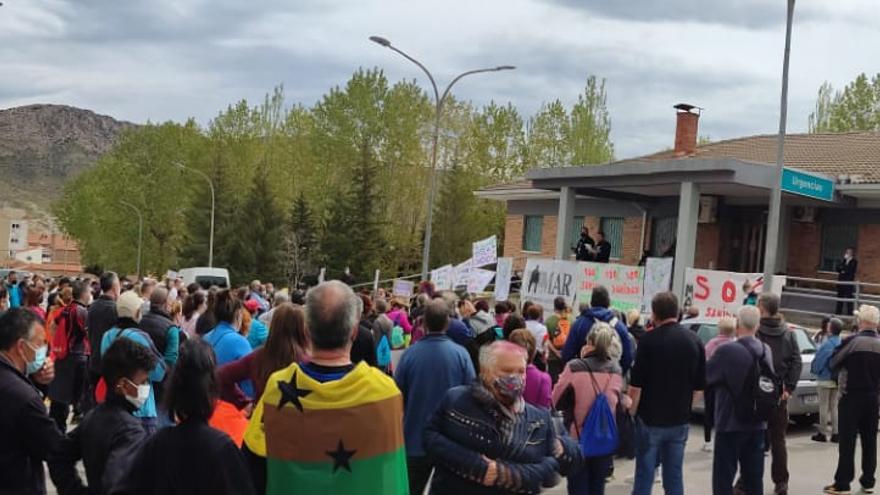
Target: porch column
x=686, y=235
x=563, y=223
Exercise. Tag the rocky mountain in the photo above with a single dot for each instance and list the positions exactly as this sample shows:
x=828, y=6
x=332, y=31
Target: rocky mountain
x=42, y=146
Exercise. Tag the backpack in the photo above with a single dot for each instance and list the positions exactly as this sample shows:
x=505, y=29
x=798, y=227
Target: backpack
x=65, y=331
x=397, y=339
x=760, y=392
x=598, y=435
x=561, y=334
x=383, y=353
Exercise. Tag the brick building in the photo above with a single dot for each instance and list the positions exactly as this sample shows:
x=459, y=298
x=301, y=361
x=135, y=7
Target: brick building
x=721, y=190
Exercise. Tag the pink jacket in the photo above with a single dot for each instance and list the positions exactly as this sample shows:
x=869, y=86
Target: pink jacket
x=399, y=317
x=716, y=342
x=608, y=378
x=537, y=392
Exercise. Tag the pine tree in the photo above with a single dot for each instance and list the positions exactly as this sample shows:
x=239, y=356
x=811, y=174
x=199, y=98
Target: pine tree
x=301, y=242
x=257, y=242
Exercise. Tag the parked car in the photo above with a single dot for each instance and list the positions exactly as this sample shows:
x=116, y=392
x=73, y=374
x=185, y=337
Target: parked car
x=805, y=401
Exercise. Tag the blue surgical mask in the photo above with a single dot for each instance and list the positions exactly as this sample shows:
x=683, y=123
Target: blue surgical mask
x=39, y=359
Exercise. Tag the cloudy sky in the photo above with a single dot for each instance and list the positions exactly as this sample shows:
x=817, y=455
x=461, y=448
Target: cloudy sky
x=171, y=59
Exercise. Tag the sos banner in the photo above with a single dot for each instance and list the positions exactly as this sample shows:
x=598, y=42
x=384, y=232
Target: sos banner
x=716, y=293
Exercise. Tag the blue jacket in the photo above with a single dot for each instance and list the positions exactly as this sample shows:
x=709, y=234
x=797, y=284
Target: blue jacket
x=821, y=366
x=459, y=332
x=469, y=426
x=577, y=337
x=230, y=346
x=148, y=410
x=258, y=334
x=14, y=295
x=426, y=371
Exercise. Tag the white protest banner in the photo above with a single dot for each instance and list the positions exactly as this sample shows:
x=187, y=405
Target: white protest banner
x=624, y=283
x=485, y=252
x=503, y=270
x=403, y=288
x=545, y=279
x=462, y=274
x=321, y=275
x=442, y=277
x=479, y=280
x=658, y=278
x=716, y=293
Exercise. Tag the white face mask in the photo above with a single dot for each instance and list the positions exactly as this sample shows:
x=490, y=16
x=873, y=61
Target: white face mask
x=143, y=393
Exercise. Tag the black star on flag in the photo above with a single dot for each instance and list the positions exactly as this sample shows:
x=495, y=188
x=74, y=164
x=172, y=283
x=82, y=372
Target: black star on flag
x=341, y=457
x=290, y=393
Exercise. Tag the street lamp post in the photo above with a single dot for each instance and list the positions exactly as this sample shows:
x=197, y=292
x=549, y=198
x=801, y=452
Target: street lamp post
x=211, y=185
x=438, y=110
x=773, y=217
x=140, y=233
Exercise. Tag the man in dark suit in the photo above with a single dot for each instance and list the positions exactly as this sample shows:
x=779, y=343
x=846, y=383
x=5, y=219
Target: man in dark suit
x=846, y=272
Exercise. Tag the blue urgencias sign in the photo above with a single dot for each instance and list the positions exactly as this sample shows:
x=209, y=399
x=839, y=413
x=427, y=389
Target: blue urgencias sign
x=813, y=186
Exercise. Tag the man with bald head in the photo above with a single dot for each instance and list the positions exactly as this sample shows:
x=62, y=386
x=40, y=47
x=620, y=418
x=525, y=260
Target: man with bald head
x=857, y=361
x=425, y=373
x=332, y=426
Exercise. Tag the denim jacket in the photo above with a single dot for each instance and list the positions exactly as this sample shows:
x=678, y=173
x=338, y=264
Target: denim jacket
x=470, y=424
x=821, y=361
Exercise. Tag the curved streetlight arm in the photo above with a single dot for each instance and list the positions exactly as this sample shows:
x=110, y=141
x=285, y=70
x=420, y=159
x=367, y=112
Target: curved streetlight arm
x=140, y=232
x=210, y=185
x=424, y=69
x=468, y=73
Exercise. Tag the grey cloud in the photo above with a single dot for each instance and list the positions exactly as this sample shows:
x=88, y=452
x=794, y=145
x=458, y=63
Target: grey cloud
x=753, y=14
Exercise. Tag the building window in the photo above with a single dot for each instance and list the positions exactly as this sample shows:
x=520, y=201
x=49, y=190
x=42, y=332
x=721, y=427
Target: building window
x=533, y=226
x=835, y=239
x=576, y=225
x=613, y=229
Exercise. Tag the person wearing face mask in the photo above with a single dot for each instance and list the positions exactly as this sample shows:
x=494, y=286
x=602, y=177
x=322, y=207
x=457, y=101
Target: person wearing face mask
x=109, y=436
x=128, y=307
x=29, y=434
x=485, y=439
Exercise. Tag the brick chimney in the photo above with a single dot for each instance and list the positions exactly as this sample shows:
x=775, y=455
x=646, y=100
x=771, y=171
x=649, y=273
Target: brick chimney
x=686, y=126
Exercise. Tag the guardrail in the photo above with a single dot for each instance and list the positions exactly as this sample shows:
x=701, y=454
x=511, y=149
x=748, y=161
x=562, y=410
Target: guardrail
x=807, y=299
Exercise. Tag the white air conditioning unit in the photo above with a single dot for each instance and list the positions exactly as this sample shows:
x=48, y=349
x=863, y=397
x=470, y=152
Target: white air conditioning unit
x=805, y=214
x=708, y=209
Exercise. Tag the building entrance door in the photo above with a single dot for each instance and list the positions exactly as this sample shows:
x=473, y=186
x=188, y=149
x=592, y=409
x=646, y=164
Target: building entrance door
x=743, y=239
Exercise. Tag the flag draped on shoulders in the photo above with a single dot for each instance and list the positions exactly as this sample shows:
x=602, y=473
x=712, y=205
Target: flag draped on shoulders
x=344, y=435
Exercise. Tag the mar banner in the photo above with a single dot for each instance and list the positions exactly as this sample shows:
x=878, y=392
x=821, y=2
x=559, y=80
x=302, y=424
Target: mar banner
x=442, y=277
x=485, y=252
x=716, y=293
x=545, y=279
x=658, y=278
x=624, y=283
x=503, y=270
x=479, y=280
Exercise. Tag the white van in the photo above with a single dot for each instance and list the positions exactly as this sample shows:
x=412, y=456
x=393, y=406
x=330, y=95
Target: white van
x=206, y=277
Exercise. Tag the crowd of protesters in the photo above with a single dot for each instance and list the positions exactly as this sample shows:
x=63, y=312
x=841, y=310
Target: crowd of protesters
x=158, y=387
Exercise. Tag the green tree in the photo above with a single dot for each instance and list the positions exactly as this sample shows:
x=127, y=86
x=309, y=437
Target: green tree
x=855, y=108
x=301, y=241
x=257, y=245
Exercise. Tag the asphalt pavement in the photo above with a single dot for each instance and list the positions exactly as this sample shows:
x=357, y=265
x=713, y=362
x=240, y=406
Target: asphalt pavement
x=811, y=466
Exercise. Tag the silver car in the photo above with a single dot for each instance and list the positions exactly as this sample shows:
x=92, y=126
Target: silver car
x=805, y=400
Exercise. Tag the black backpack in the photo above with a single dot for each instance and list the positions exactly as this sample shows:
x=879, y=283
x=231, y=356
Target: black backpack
x=760, y=392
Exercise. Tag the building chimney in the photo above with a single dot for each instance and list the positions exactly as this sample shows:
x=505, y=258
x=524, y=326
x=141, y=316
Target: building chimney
x=686, y=126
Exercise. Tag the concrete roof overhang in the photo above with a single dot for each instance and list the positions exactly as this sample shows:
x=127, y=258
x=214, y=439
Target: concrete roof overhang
x=647, y=181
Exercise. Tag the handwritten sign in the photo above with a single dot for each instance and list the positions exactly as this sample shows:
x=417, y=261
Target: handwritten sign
x=462, y=274
x=503, y=270
x=624, y=283
x=479, y=279
x=658, y=277
x=442, y=277
x=485, y=252
x=716, y=293
x=403, y=288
